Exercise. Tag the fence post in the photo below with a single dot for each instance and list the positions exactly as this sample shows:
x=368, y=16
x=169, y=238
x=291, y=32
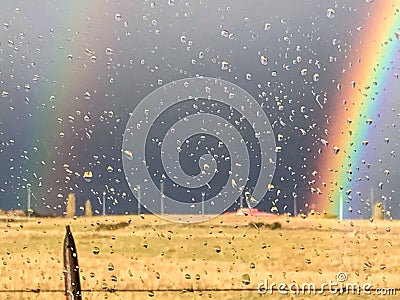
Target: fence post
x=71, y=268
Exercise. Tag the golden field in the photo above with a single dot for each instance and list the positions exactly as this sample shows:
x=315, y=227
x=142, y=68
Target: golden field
x=164, y=260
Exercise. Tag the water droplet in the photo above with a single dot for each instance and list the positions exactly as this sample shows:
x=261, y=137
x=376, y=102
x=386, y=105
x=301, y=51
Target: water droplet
x=246, y=279
x=364, y=143
x=264, y=60
x=88, y=176
x=118, y=17
x=324, y=142
x=267, y=26
x=88, y=51
x=336, y=150
x=110, y=267
x=217, y=249
x=128, y=154
x=109, y=51
x=87, y=95
x=316, y=77
x=330, y=13
x=224, y=65
x=248, y=76
x=96, y=250
x=224, y=33
x=171, y=2
x=303, y=72
x=368, y=121
x=183, y=39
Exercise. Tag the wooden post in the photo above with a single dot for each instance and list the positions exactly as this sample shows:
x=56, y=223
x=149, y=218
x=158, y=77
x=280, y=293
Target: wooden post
x=88, y=209
x=378, y=213
x=71, y=268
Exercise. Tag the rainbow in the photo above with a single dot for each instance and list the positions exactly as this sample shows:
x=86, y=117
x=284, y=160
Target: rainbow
x=60, y=91
x=364, y=86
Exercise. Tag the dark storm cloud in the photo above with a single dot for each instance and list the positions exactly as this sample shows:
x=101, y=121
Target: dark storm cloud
x=284, y=53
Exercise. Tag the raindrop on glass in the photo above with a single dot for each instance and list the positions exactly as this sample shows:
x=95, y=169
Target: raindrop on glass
x=267, y=26
x=336, y=150
x=109, y=51
x=224, y=33
x=110, y=267
x=128, y=154
x=330, y=13
x=118, y=17
x=88, y=176
x=264, y=60
x=246, y=279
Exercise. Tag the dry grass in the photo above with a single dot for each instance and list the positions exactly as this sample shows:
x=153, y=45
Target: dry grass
x=153, y=254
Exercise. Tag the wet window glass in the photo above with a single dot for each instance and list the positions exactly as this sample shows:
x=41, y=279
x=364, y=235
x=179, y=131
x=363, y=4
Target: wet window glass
x=199, y=149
